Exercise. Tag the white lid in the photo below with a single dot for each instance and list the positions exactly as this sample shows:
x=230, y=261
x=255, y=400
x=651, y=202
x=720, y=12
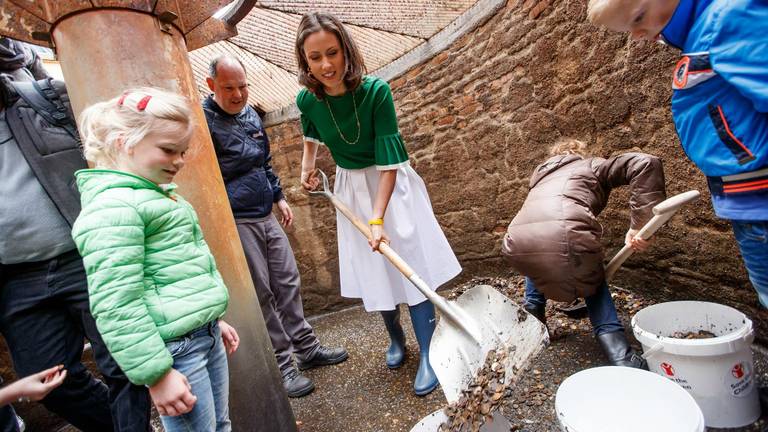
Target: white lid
x=612, y=398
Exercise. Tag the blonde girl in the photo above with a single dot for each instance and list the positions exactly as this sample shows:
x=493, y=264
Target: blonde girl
x=154, y=288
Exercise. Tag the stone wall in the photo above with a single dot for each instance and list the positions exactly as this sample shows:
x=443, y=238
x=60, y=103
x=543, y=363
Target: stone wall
x=480, y=116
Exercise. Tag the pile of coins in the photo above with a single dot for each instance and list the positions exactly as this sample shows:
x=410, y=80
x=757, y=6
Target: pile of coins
x=701, y=334
x=481, y=398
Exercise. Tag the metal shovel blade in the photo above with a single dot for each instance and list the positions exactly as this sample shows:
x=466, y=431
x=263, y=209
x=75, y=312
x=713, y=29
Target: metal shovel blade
x=456, y=358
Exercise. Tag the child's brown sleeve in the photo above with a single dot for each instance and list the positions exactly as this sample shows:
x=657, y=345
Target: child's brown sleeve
x=644, y=174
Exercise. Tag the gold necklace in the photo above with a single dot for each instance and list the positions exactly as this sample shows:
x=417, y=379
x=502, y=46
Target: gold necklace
x=357, y=118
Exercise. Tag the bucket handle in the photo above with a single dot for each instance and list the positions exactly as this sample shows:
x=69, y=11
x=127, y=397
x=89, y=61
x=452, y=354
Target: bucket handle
x=653, y=350
x=748, y=338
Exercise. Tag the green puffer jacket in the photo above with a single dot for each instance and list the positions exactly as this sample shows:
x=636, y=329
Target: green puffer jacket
x=151, y=276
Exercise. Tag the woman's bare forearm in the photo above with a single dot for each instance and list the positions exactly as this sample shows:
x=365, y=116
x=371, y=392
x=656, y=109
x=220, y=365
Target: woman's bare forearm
x=387, y=181
x=309, y=156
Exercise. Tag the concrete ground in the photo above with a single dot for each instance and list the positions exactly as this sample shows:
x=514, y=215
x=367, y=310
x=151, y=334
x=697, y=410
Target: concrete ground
x=362, y=394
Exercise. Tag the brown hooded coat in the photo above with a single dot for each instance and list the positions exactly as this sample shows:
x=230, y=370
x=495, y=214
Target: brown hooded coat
x=555, y=237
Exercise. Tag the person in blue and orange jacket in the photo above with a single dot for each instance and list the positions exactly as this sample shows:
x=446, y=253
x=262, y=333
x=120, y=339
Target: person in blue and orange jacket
x=719, y=102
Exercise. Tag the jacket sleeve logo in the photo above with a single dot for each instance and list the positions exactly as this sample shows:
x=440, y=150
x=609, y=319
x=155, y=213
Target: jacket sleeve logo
x=692, y=70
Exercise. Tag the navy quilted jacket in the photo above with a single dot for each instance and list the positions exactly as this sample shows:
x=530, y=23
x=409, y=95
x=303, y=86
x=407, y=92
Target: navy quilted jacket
x=242, y=148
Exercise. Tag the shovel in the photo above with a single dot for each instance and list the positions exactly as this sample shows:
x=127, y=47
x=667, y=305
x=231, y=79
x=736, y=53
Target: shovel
x=662, y=213
x=480, y=320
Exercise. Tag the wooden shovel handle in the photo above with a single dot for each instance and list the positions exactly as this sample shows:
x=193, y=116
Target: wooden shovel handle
x=673, y=203
x=663, y=212
x=457, y=317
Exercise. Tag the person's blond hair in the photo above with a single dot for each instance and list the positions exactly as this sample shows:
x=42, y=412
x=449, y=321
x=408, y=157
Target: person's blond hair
x=600, y=11
x=568, y=146
x=130, y=117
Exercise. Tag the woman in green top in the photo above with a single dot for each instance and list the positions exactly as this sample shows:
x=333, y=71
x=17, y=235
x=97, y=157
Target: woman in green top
x=354, y=117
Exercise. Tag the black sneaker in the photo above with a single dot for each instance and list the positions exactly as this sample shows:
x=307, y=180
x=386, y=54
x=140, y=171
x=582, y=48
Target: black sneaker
x=323, y=356
x=296, y=384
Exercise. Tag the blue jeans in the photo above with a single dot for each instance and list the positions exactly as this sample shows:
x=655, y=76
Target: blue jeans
x=600, y=307
x=201, y=357
x=752, y=238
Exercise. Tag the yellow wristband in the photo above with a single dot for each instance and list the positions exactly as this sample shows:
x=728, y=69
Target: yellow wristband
x=378, y=221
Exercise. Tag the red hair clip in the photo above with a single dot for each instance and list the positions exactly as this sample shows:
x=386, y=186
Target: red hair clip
x=122, y=99
x=141, y=106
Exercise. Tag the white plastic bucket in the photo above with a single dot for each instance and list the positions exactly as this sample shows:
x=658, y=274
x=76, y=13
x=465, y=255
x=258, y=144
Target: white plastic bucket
x=718, y=372
x=613, y=398
x=432, y=422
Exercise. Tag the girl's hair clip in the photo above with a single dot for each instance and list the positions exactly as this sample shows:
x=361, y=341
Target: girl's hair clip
x=141, y=106
x=122, y=99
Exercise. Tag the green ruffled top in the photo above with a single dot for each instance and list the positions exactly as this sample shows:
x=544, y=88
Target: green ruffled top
x=380, y=142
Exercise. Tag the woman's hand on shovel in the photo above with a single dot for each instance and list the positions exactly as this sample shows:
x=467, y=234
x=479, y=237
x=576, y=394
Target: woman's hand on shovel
x=377, y=236
x=309, y=180
x=636, y=242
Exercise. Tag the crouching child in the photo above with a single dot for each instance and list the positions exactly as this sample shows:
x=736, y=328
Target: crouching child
x=555, y=239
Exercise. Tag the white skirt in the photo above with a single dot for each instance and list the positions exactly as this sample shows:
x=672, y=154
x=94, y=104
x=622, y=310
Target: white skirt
x=413, y=232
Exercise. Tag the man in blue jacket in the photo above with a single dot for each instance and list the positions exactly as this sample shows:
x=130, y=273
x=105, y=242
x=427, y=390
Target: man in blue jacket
x=242, y=148
x=719, y=103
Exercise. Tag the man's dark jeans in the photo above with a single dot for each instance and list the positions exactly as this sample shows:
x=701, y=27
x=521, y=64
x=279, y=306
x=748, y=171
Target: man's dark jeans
x=44, y=317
